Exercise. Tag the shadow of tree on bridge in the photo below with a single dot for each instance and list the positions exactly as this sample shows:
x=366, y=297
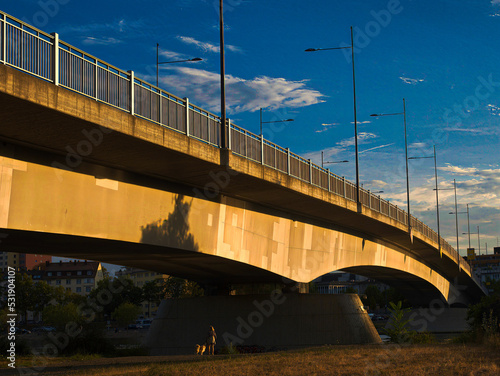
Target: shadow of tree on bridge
x=174, y=230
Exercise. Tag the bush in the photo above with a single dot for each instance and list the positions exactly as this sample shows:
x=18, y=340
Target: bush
x=422, y=338
x=229, y=349
x=22, y=347
x=398, y=330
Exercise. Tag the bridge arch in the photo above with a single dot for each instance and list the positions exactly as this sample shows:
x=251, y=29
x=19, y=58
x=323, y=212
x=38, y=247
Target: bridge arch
x=170, y=226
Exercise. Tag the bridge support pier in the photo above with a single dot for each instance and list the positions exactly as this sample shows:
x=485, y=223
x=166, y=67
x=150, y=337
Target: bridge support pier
x=271, y=321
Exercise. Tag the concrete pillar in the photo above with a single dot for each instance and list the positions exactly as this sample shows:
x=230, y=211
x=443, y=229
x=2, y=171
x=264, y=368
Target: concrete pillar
x=272, y=321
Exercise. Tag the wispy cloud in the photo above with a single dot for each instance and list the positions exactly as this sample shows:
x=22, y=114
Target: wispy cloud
x=411, y=81
x=101, y=41
x=120, y=26
x=494, y=110
x=483, y=131
x=203, y=88
x=363, y=137
x=495, y=4
x=207, y=46
x=326, y=127
x=375, y=148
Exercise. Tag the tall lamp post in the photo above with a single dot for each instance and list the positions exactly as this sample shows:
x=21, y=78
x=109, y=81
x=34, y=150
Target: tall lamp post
x=478, y=243
x=358, y=201
x=468, y=223
x=456, y=216
x=437, y=196
x=170, y=62
x=406, y=161
x=273, y=121
x=223, y=133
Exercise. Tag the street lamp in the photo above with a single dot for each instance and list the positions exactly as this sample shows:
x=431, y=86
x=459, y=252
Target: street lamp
x=468, y=223
x=437, y=196
x=406, y=161
x=170, y=62
x=456, y=216
x=358, y=202
x=478, y=243
x=329, y=162
x=274, y=121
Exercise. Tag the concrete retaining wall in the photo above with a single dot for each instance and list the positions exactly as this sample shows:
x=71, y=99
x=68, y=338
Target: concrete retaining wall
x=275, y=321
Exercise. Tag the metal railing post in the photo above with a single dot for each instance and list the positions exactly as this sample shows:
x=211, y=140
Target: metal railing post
x=96, y=79
x=288, y=161
x=343, y=181
x=132, y=96
x=262, y=149
x=229, y=138
x=310, y=172
x=55, y=60
x=186, y=101
x=328, y=177
x=4, y=40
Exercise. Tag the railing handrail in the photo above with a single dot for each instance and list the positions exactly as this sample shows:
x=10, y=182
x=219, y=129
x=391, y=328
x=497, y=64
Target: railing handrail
x=58, y=45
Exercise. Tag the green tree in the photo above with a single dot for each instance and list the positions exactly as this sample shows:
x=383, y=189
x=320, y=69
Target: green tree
x=488, y=307
x=153, y=292
x=111, y=293
x=126, y=313
x=24, y=293
x=181, y=288
x=373, y=297
x=398, y=330
x=59, y=316
x=41, y=295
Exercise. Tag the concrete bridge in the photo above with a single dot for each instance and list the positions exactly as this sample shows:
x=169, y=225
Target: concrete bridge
x=133, y=175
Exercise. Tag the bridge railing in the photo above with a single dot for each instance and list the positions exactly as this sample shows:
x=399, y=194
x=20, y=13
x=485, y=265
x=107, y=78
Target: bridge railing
x=45, y=56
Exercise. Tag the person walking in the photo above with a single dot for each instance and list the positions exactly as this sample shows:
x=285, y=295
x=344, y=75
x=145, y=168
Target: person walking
x=211, y=337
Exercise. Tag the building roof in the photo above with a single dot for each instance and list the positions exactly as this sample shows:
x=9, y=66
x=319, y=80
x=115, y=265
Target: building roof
x=72, y=267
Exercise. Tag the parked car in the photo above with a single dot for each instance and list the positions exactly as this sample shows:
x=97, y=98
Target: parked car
x=22, y=331
x=144, y=323
x=44, y=329
x=134, y=326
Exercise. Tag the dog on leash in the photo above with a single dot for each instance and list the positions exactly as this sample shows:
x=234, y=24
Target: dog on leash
x=200, y=349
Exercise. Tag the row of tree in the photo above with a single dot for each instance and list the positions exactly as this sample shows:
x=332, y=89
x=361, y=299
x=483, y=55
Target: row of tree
x=109, y=294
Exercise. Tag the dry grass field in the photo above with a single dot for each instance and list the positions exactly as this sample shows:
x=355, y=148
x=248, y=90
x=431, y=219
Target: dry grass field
x=389, y=359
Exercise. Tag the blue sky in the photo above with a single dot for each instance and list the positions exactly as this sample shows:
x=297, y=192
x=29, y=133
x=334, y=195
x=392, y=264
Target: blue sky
x=441, y=56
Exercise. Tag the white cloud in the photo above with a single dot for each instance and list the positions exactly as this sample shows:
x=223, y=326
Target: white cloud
x=326, y=127
x=494, y=110
x=206, y=46
x=411, y=81
x=363, y=137
x=172, y=55
x=203, y=88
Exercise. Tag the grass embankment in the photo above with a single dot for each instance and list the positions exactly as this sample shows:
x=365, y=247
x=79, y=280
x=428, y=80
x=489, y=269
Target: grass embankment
x=436, y=359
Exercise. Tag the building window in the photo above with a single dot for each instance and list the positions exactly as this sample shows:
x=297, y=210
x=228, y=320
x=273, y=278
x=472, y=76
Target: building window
x=79, y=272
x=89, y=272
x=78, y=289
x=89, y=280
x=68, y=273
x=49, y=274
x=49, y=282
x=58, y=281
x=78, y=281
x=68, y=288
x=88, y=288
x=68, y=281
x=58, y=274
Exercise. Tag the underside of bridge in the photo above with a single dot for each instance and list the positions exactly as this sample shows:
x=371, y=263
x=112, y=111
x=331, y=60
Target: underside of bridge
x=82, y=179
